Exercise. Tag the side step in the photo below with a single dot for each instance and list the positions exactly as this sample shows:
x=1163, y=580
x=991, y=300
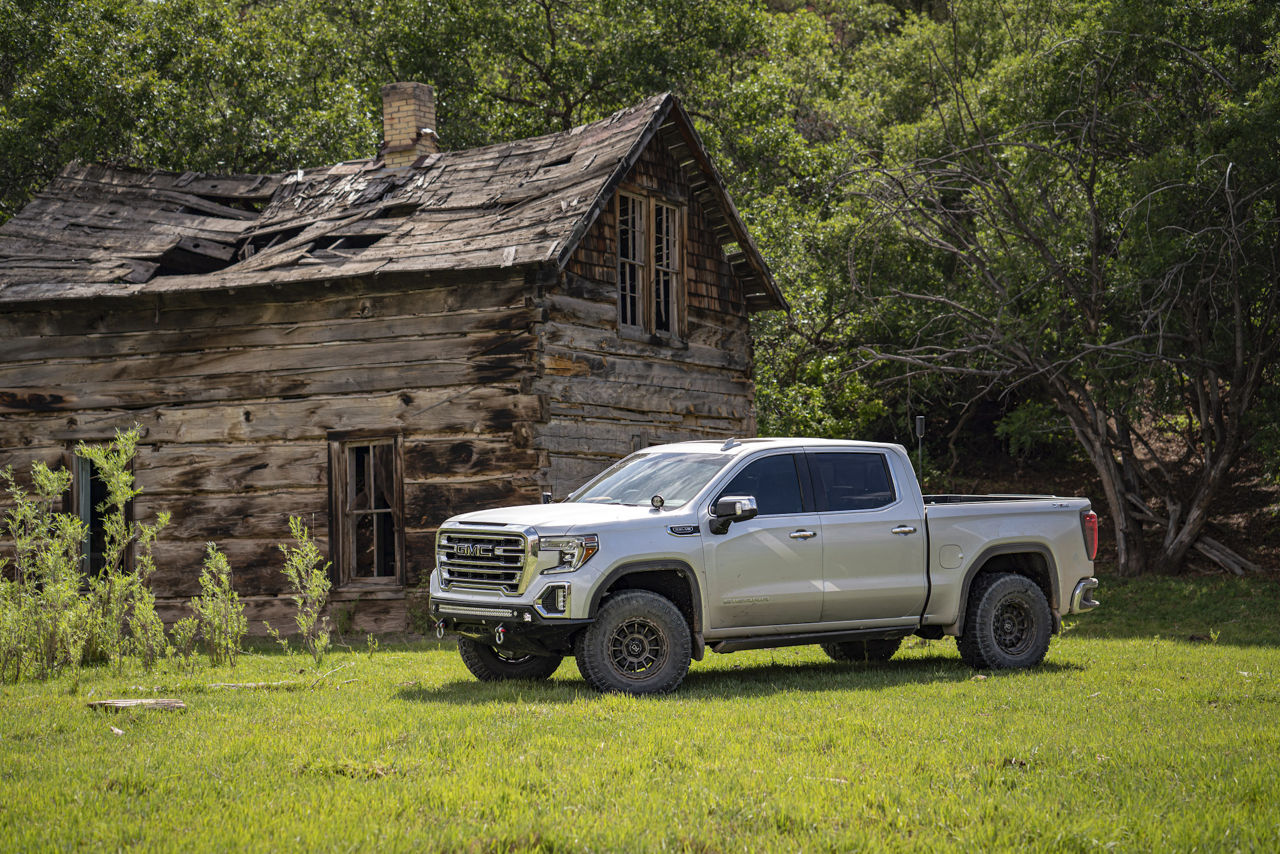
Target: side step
x=772, y=641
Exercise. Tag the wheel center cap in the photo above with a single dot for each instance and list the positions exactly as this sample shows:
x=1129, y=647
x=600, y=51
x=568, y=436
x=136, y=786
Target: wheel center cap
x=635, y=647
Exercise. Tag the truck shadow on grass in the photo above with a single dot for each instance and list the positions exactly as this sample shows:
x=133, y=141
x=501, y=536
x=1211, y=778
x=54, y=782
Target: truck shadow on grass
x=735, y=681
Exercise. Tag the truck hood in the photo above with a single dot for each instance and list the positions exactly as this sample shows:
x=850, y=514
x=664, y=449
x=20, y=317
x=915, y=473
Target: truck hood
x=568, y=518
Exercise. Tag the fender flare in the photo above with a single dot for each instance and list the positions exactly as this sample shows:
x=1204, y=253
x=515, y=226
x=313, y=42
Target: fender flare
x=1041, y=549
x=679, y=567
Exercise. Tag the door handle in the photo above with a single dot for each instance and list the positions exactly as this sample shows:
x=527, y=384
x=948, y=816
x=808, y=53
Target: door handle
x=904, y=530
x=802, y=535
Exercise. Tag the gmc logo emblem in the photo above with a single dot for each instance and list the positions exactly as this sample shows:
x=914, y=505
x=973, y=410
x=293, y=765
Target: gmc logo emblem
x=472, y=550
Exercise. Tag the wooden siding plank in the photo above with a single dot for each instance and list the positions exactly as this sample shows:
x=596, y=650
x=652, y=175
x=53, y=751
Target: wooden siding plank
x=448, y=410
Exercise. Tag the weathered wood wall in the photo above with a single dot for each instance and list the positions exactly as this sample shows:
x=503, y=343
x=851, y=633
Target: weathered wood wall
x=609, y=394
x=237, y=395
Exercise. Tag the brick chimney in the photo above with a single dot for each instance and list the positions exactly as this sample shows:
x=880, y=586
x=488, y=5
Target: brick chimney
x=408, y=123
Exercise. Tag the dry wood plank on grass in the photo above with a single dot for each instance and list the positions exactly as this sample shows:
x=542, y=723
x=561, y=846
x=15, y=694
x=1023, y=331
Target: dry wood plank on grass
x=164, y=705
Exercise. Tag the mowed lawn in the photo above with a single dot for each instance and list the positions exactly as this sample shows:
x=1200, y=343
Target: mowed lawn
x=1153, y=725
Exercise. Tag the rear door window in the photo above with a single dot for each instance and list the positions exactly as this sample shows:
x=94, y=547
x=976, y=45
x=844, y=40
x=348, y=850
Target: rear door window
x=851, y=481
x=774, y=482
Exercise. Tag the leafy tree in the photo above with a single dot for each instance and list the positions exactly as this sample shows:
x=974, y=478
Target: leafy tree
x=1107, y=199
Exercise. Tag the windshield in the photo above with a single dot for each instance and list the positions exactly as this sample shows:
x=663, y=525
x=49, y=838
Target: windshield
x=639, y=477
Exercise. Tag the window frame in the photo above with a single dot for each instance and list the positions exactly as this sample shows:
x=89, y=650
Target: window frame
x=648, y=267
x=803, y=475
x=819, y=485
x=343, y=518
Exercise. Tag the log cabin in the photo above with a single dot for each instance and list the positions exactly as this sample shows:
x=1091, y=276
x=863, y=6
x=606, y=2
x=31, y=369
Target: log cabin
x=377, y=345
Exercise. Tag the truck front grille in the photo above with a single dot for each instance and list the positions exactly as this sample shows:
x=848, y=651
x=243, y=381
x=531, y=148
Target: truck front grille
x=481, y=561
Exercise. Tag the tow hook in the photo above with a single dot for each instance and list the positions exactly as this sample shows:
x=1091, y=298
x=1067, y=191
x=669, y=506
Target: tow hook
x=439, y=629
x=499, y=634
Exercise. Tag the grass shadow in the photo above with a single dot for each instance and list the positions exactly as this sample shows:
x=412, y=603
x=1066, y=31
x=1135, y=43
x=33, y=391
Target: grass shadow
x=764, y=679
x=736, y=681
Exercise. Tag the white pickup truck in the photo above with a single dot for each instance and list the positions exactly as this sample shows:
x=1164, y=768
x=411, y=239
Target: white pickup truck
x=757, y=543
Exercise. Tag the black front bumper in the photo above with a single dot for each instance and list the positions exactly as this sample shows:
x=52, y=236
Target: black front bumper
x=521, y=627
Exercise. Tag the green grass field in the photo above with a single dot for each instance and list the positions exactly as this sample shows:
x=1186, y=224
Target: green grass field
x=1154, y=725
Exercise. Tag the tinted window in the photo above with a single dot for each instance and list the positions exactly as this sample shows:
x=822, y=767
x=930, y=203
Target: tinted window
x=774, y=483
x=851, y=481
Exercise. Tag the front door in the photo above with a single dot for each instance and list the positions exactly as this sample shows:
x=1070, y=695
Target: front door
x=767, y=571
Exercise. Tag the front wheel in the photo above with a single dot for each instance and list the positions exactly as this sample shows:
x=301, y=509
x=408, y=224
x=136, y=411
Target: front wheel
x=1007, y=625
x=638, y=644
x=493, y=665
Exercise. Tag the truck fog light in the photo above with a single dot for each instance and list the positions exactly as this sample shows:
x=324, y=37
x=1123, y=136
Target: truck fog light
x=554, y=601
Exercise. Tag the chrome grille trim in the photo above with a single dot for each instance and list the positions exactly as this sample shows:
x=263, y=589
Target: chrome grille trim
x=495, y=561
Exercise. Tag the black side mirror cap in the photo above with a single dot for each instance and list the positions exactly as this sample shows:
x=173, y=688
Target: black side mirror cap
x=730, y=509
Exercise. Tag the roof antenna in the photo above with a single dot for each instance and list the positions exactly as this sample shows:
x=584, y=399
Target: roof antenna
x=730, y=443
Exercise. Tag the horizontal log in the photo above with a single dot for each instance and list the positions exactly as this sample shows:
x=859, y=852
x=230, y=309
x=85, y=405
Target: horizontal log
x=647, y=398
x=435, y=458
x=427, y=505
x=21, y=459
x=467, y=410
x=562, y=338
x=255, y=565
x=280, y=304
x=250, y=515
x=133, y=372
x=207, y=342
x=185, y=469
x=264, y=384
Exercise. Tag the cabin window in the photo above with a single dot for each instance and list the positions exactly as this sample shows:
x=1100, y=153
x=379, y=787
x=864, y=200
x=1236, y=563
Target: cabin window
x=649, y=265
x=367, y=498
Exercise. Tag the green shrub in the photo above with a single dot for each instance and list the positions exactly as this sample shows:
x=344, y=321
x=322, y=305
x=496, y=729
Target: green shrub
x=122, y=613
x=43, y=620
x=308, y=576
x=219, y=610
x=184, y=635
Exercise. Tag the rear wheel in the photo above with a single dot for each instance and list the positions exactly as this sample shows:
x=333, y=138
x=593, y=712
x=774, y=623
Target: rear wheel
x=868, y=650
x=638, y=644
x=1007, y=624
x=495, y=665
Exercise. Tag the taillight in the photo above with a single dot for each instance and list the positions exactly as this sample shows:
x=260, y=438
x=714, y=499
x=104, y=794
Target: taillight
x=1089, y=525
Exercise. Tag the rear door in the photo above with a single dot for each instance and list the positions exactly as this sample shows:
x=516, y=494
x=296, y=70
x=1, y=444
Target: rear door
x=874, y=546
x=767, y=571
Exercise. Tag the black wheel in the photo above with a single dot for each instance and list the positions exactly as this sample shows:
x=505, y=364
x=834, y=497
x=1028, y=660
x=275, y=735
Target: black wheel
x=868, y=650
x=494, y=665
x=1007, y=624
x=638, y=644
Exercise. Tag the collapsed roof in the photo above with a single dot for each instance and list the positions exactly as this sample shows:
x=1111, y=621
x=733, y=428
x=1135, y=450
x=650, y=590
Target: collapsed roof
x=109, y=231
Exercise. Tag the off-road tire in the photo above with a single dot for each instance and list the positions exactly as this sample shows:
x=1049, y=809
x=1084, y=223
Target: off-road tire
x=638, y=644
x=1007, y=624
x=491, y=665
x=862, y=651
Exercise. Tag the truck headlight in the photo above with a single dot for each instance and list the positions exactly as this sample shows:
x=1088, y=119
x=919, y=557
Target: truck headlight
x=565, y=554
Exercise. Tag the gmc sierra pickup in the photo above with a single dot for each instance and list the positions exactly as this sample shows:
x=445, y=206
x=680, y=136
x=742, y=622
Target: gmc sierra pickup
x=757, y=543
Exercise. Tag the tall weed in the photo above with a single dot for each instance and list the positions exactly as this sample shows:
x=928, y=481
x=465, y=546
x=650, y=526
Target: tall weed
x=122, y=612
x=43, y=620
x=219, y=610
x=308, y=575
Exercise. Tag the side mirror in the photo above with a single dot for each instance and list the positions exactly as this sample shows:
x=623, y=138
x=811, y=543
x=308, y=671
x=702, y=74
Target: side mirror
x=730, y=509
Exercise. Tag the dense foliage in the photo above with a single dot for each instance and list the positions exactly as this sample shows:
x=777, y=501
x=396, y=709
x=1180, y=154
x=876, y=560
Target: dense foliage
x=1046, y=223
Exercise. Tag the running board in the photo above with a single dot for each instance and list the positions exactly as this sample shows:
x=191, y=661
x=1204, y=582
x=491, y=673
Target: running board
x=771, y=641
